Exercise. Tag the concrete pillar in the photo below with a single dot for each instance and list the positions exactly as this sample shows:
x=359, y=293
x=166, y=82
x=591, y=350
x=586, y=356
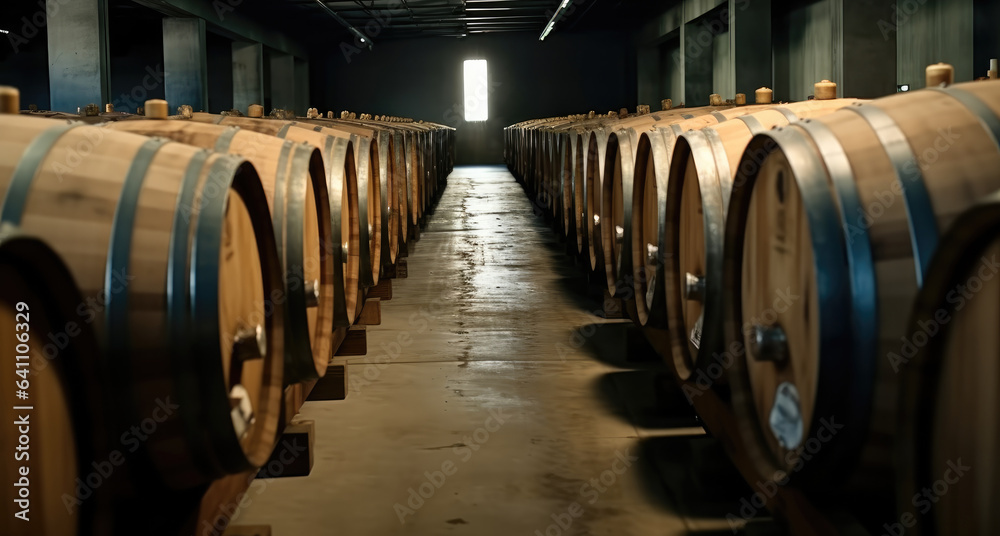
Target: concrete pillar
x=750, y=43
x=78, y=53
x=248, y=75
x=185, y=62
x=282, y=81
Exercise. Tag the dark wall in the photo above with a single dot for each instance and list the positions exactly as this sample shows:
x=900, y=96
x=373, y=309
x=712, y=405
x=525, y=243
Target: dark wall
x=24, y=53
x=220, y=72
x=136, y=55
x=423, y=78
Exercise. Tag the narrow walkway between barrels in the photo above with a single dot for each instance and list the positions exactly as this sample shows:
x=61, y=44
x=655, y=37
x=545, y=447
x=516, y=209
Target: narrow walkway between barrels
x=494, y=401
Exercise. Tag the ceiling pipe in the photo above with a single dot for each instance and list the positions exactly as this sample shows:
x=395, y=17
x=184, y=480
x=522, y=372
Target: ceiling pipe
x=555, y=18
x=357, y=33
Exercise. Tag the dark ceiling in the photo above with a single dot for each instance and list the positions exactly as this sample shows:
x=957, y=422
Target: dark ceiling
x=401, y=19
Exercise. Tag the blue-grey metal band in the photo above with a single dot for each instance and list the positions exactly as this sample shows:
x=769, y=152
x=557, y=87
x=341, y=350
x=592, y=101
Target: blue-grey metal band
x=24, y=174
x=280, y=184
x=204, y=305
x=753, y=124
x=120, y=246
x=177, y=259
x=328, y=156
x=218, y=120
x=687, y=116
x=723, y=174
x=719, y=116
x=919, y=210
x=293, y=191
x=789, y=115
x=859, y=250
x=283, y=130
x=677, y=129
x=978, y=108
x=225, y=139
x=318, y=128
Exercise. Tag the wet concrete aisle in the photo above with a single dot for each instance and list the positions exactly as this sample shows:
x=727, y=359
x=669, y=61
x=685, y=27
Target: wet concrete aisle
x=483, y=406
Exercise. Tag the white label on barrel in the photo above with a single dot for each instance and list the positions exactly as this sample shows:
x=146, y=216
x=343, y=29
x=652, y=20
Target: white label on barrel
x=696, y=331
x=786, y=417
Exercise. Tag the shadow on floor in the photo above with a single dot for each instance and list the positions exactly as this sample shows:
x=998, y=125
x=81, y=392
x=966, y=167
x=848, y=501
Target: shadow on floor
x=693, y=477
x=650, y=399
x=620, y=344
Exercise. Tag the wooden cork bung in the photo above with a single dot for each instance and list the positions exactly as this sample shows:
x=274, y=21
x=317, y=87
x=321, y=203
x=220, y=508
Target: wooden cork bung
x=623, y=113
x=763, y=95
x=156, y=109
x=109, y=108
x=666, y=104
x=312, y=113
x=825, y=90
x=741, y=99
x=255, y=110
x=10, y=100
x=715, y=99
x=185, y=111
x=939, y=73
x=642, y=109
x=992, y=74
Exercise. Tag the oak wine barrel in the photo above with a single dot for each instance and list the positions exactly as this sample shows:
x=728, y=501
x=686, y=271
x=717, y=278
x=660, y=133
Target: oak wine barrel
x=175, y=247
x=345, y=210
x=831, y=227
x=949, y=384
x=699, y=177
x=294, y=181
x=51, y=357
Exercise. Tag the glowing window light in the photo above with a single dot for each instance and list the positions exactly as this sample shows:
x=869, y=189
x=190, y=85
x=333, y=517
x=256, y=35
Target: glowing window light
x=476, y=91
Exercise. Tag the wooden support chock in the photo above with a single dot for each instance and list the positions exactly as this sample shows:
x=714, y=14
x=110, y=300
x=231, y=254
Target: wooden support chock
x=612, y=306
x=355, y=342
x=332, y=386
x=371, y=313
x=382, y=291
x=401, y=271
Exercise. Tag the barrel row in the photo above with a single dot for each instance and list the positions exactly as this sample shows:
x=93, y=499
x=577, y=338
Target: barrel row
x=826, y=267
x=184, y=271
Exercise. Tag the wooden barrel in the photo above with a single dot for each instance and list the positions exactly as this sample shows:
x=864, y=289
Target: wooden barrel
x=52, y=357
x=175, y=246
x=294, y=180
x=371, y=169
x=344, y=190
x=389, y=178
x=948, y=439
x=700, y=170
x=648, y=200
x=830, y=230
x=617, y=192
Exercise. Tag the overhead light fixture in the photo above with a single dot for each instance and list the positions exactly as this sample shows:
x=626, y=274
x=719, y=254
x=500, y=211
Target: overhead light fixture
x=555, y=18
x=356, y=32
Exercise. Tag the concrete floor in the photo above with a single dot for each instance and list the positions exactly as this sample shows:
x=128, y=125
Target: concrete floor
x=493, y=389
